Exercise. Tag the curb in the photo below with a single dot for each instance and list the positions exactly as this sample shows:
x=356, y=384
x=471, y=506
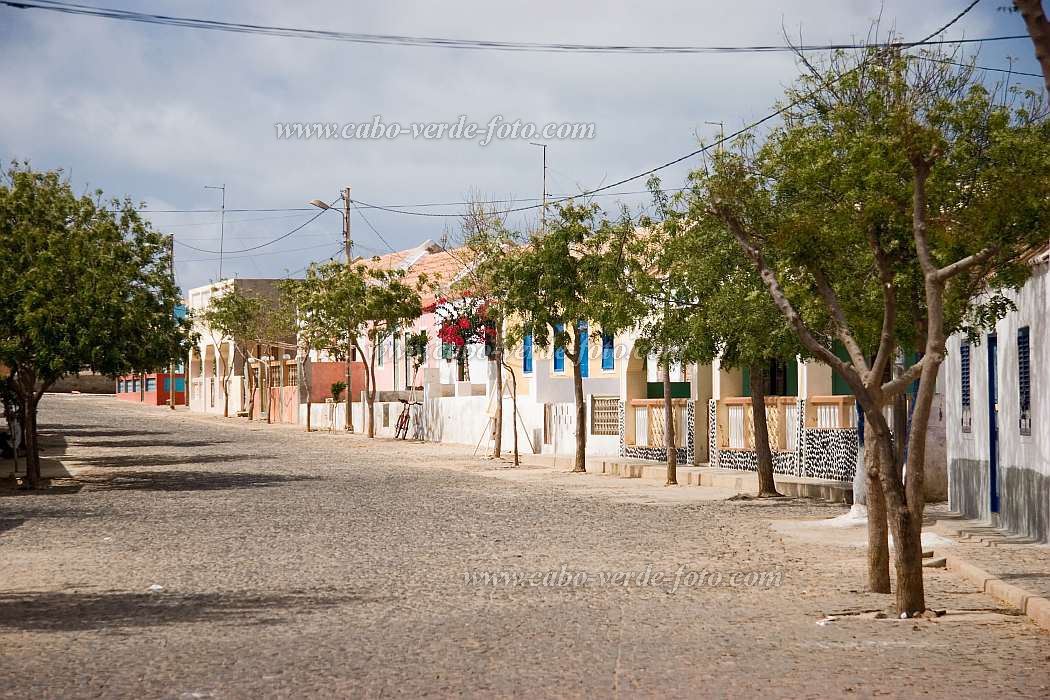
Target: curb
x=1036, y=608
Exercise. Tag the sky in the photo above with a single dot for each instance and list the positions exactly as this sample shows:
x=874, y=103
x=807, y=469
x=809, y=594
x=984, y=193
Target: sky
x=158, y=113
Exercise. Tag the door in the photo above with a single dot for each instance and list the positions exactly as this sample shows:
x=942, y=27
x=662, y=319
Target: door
x=993, y=422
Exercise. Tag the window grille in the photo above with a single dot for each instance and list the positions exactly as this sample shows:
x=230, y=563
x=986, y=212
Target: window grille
x=964, y=372
x=291, y=375
x=605, y=415
x=1024, y=379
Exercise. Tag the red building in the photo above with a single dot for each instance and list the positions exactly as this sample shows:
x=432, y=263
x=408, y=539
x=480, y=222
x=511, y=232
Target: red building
x=151, y=388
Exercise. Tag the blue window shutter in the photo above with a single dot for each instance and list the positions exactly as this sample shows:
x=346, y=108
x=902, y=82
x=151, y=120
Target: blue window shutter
x=608, y=354
x=526, y=361
x=584, y=347
x=559, y=351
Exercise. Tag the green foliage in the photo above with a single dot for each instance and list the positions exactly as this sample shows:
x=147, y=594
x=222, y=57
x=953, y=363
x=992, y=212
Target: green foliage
x=337, y=391
x=702, y=297
x=832, y=188
x=570, y=272
x=237, y=315
x=341, y=303
x=84, y=282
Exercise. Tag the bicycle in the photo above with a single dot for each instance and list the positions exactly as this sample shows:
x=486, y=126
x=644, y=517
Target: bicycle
x=401, y=427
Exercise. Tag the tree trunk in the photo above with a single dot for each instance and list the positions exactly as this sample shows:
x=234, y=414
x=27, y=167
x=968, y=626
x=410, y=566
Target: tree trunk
x=497, y=418
x=669, y=437
x=307, y=372
x=1039, y=29
x=580, y=464
x=251, y=392
x=906, y=531
x=514, y=411
x=767, y=487
x=878, y=534
x=349, y=422
x=33, y=478
x=371, y=392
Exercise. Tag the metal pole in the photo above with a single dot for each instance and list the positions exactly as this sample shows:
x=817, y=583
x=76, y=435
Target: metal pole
x=543, y=199
x=222, y=220
x=348, y=249
x=171, y=365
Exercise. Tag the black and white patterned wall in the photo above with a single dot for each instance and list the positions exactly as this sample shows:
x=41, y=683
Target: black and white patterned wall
x=820, y=453
x=659, y=454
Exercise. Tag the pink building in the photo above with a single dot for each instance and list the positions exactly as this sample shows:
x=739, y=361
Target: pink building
x=394, y=367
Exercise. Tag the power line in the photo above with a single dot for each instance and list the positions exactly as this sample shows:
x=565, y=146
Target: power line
x=723, y=139
x=374, y=230
x=441, y=42
x=261, y=245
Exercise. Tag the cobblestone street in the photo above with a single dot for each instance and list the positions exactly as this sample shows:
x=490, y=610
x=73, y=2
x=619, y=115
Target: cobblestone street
x=327, y=565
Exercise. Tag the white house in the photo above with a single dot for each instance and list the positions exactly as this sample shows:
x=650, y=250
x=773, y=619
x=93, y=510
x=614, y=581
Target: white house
x=998, y=415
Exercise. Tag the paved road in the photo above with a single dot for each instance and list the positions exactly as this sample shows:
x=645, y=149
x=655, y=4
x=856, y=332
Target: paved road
x=320, y=565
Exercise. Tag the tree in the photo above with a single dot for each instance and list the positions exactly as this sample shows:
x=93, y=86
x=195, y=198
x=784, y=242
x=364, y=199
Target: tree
x=1039, y=29
x=329, y=302
x=236, y=316
x=559, y=283
x=483, y=255
x=341, y=305
x=84, y=286
x=897, y=197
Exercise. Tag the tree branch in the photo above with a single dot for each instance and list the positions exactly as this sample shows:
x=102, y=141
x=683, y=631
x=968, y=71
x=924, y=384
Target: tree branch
x=966, y=263
x=895, y=386
x=848, y=373
x=832, y=302
x=889, y=309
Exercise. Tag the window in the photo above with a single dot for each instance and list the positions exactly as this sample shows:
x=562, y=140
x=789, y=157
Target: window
x=291, y=375
x=605, y=415
x=559, y=349
x=526, y=360
x=584, y=349
x=608, y=353
x=380, y=351
x=964, y=372
x=1024, y=380
x=151, y=383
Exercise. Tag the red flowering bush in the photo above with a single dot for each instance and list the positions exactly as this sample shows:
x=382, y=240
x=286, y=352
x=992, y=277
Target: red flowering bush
x=463, y=322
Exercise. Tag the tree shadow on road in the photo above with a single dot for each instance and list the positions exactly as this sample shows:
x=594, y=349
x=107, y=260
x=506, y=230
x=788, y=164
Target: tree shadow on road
x=164, y=460
x=52, y=430
x=62, y=611
x=184, y=480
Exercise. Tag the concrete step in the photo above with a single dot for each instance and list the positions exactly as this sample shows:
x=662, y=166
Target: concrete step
x=743, y=482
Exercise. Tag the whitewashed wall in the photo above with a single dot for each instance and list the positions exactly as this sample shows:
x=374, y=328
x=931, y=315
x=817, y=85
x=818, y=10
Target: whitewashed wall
x=1024, y=461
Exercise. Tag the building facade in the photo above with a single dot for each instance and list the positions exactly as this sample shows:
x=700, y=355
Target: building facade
x=998, y=414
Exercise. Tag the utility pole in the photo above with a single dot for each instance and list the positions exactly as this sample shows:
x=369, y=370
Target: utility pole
x=543, y=211
x=348, y=246
x=722, y=134
x=222, y=220
x=348, y=249
x=171, y=365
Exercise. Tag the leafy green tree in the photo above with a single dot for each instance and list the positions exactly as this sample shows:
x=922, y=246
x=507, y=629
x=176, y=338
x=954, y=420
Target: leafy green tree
x=897, y=197
x=486, y=277
x=343, y=305
x=237, y=316
x=85, y=285
x=562, y=280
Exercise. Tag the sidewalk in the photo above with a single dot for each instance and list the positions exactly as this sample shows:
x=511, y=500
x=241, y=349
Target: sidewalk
x=1013, y=569
x=743, y=482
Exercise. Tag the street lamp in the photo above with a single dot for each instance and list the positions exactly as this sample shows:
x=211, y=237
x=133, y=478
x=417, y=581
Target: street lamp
x=347, y=247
